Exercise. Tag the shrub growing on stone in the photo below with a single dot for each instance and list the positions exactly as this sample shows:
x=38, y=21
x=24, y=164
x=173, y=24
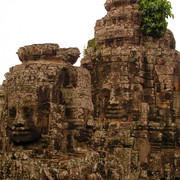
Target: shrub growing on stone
x=153, y=16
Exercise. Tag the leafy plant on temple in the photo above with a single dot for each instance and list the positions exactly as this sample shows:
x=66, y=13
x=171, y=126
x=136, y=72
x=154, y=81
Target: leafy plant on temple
x=91, y=43
x=153, y=16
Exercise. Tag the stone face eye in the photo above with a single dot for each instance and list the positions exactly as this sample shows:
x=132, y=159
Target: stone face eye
x=27, y=112
x=12, y=112
x=106, y=93
x=118, y=92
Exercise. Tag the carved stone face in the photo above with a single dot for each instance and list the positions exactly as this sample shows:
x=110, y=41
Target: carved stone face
x=26, y=121
x=114, y=98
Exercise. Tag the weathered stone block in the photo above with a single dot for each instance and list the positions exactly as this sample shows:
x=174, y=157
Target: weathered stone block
x=149, y=91
x=149, y=67
x=156, y=136
x=50, y=129
x=149, y=83
x=149, y=75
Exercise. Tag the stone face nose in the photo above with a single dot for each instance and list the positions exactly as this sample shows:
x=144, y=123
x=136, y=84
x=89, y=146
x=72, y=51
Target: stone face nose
x=19, y=120
x=113, y=99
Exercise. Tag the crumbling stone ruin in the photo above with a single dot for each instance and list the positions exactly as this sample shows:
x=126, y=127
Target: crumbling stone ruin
x=115, y=117
x=47, y=113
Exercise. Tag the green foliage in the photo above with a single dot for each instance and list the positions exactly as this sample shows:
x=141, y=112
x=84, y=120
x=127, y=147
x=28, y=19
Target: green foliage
x=91, y=43
x=84, y=51
x=153, y=16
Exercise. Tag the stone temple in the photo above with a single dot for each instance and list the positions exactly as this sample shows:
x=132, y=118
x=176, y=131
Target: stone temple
x=115, y=117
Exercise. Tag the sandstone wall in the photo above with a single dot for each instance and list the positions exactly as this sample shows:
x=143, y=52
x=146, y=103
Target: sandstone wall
x=135, y=88
x=121, y=121
x=46, y=116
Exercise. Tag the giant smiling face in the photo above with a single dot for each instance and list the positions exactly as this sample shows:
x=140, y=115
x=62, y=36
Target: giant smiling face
x=27, y=117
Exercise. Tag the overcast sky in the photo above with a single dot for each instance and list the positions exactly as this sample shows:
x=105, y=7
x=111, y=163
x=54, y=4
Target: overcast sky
x=70, y=23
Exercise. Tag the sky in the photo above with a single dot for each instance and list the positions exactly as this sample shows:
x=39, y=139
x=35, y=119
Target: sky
x=68, y=23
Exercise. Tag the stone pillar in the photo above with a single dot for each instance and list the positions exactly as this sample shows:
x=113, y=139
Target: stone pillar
x=135, y=94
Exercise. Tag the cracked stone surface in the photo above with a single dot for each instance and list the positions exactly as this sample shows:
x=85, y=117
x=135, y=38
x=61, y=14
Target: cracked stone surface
x=115, y=117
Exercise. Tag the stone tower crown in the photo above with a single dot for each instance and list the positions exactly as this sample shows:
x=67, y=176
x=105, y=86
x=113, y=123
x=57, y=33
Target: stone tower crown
x=115, y=3
x=48, y=52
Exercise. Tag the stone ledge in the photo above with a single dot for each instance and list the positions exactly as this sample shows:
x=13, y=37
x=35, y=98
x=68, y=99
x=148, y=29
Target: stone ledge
x=48, y=52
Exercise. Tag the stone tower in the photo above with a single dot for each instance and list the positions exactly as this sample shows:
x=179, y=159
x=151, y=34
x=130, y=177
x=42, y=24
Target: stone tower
x=135, y=87
x=45, y=116
x=121, y=121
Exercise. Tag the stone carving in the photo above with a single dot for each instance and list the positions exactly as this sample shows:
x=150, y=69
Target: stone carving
x=135, y=96
x=24, y=125
x=52, y=128
x=47, y=112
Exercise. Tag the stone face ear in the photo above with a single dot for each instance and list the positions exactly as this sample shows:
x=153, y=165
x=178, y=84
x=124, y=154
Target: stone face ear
x=70, y=77
x=43, y=95
x=65, y=79
x=43, y=108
